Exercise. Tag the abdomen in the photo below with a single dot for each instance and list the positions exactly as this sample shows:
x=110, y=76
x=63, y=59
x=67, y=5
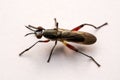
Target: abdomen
x=78, y=37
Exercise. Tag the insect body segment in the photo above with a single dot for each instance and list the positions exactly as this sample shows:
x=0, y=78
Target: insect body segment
x=79, y=37
x=70, y=36
x=64, y=36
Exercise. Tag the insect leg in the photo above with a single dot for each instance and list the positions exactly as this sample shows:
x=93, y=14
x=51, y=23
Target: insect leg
x=82, y=25
x=32, y=46
x=51, y=52
x=73, y=48
x=56, y=24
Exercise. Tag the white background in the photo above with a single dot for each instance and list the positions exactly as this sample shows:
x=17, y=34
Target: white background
x=65, y=64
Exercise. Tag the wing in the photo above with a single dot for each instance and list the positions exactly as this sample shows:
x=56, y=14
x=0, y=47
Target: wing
x=77, y=36
x=72, y=36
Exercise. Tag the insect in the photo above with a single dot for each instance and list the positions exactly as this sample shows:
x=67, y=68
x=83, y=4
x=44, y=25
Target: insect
x=64, y=36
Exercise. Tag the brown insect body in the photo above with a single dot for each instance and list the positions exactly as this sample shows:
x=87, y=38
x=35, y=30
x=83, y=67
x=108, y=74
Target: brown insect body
x=70, y=36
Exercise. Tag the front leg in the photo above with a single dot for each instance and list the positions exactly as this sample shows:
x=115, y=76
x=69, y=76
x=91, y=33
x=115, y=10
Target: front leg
x=32, y=46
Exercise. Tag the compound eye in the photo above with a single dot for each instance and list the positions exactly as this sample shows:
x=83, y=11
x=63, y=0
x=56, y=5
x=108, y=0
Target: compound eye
x=40, y=28
x=38, y=34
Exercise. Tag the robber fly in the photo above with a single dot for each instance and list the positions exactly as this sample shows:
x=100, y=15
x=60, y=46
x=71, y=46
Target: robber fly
x=64, y=36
